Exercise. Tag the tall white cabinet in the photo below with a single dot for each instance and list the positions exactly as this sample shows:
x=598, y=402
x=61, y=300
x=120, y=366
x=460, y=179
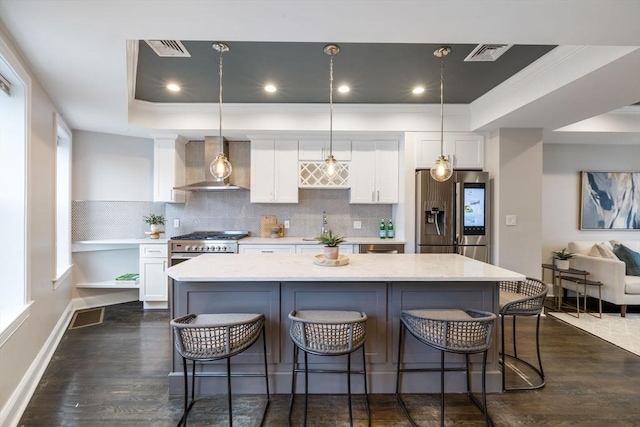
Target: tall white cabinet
x=374, y=172
x=169, y=168
x=274, y=171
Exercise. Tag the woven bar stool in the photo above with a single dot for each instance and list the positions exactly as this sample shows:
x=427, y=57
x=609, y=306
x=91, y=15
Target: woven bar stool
x=209, y=337
x=327, y=333
x=454, y=331
x=524, y=298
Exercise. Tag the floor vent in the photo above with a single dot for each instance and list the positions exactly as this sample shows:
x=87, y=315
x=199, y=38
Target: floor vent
x=85, y=318
x=487, y=52
x=169, y=48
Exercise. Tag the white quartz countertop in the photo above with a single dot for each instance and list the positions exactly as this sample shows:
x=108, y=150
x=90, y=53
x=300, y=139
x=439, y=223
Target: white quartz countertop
x=308, y=241
x=361, y=267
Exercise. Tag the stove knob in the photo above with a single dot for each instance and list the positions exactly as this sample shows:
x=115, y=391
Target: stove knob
x=217, y=248
x=210, y=248
x=223, y=248
x=187, y=248
x=200, y=248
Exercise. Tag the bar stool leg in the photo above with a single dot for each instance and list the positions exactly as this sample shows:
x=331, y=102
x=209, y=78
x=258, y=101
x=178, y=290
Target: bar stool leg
x=183, y=421
x=366, y=392
x=306, y=387
x=441, y=388
x=349, y=388
x=266, y=375
x=502, y=355
x=229, y=391
x=484, y=389
x=515, y=348
x=293, y=382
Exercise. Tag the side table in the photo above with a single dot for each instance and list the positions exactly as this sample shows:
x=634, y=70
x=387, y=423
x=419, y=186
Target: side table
x=577, y=277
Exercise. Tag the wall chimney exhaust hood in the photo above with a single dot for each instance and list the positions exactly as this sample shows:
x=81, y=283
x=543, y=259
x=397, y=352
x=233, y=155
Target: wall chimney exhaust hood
x=211, y=150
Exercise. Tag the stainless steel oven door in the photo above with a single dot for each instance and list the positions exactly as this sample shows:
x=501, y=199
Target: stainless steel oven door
x=178, y=258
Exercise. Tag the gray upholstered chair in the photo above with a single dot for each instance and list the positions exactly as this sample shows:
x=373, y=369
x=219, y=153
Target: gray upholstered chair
x=209, y=337
x=522, y=298
x=453, y=331
x=327, y=333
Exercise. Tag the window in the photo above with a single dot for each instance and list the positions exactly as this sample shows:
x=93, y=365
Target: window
x=63, y=201
x=14, y=116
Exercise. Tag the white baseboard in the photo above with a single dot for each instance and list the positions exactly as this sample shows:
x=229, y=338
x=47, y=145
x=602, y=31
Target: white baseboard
x=12, y=411
x=17, y=403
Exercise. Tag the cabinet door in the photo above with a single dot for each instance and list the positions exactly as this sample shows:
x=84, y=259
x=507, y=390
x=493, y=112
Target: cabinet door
x=267, y=249
x=153, y=279
x=386, y=172
x=262, y=171
x=427, y=151
x=318, y=151
x=285, y=174
x=362, y=174
x=466, y=150
x=374, y=172
x=168, y=169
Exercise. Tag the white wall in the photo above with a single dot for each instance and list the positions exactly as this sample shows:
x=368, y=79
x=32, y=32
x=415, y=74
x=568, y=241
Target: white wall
x=561, y=189
x=515, y=161
x=112, y=167
x=19, y=353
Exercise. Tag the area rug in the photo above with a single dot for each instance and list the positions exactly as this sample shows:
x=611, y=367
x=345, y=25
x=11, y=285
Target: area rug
x=623, y=332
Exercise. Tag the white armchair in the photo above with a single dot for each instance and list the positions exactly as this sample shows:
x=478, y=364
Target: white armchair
x=617, y=288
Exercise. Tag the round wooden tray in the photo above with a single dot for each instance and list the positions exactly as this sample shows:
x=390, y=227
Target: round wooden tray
x=321, y=260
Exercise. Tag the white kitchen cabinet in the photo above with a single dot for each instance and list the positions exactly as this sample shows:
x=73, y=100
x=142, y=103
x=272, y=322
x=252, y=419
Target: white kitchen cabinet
x=154, y=286
x=274, y=171
x=318, y=150
x=464, y=149
x=374, y=172
x=319, y=249
x=267, y=249
x=169, y=168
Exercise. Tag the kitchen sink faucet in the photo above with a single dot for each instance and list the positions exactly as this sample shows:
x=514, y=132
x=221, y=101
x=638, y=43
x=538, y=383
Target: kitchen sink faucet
x=325, y=225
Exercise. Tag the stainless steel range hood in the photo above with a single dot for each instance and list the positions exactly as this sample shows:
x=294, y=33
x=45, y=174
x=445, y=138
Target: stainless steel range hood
x=211, y=150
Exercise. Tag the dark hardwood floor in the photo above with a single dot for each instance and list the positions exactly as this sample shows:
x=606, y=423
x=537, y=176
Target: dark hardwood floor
x=115, y=374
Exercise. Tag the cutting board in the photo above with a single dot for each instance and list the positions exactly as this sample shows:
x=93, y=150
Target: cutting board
x=266, y=222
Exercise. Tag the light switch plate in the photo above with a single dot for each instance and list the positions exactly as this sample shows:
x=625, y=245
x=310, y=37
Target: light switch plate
x=287, y=224
x=357, y=225
x=176, y=223
x=511, y=220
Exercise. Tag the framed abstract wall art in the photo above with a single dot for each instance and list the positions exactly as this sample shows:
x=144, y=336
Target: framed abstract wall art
x=610, y=201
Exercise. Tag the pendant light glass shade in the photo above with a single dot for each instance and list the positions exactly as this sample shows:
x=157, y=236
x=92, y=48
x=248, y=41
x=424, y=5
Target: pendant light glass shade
x=330, y=167
x=442, y=169
x=221, y=167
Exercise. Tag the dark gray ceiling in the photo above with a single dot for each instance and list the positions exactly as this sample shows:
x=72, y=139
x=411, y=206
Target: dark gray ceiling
x=376, y=73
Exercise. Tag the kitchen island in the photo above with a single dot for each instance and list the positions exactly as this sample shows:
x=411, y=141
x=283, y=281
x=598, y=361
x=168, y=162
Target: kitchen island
x=380, y=285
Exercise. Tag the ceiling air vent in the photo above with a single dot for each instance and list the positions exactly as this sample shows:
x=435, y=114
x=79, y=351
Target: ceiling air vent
x=168, y=48
x=487, y=52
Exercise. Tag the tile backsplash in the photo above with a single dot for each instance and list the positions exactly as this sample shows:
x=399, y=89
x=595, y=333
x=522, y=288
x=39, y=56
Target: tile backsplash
x=231, y=210
x=227, y=210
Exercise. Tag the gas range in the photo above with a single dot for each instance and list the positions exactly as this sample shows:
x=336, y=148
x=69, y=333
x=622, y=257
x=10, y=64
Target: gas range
x=201, y=242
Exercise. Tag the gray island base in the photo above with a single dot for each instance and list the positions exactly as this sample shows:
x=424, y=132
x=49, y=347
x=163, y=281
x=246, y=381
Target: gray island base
x=381, y=285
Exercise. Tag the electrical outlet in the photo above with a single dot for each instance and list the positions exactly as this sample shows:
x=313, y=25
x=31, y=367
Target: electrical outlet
x=357, y=225
x=511, y=220
x=176, y=223
x=287, y=224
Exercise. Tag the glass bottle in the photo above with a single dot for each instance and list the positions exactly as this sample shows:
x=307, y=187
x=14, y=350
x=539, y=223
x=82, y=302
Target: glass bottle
x=383, y=229
x=390, y=232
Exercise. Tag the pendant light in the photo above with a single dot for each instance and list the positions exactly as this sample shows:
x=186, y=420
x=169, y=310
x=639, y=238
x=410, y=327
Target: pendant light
x=442, y=168
x=220, y=167
x=331, y=166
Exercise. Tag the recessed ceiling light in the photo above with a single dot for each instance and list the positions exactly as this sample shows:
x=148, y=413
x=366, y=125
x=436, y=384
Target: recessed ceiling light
x=270, y=88
x=343, y=89
x=173, y=87
x=417, y=90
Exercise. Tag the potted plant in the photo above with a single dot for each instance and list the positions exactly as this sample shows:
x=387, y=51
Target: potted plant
x=154, y=221
x=562, y=258
x=330, y=242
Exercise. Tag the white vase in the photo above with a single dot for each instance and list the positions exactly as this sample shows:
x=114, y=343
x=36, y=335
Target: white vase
x=154, y=228
x=562, y=264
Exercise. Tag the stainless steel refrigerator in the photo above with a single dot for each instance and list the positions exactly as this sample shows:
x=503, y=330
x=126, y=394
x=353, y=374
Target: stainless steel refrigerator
x=454, y=216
